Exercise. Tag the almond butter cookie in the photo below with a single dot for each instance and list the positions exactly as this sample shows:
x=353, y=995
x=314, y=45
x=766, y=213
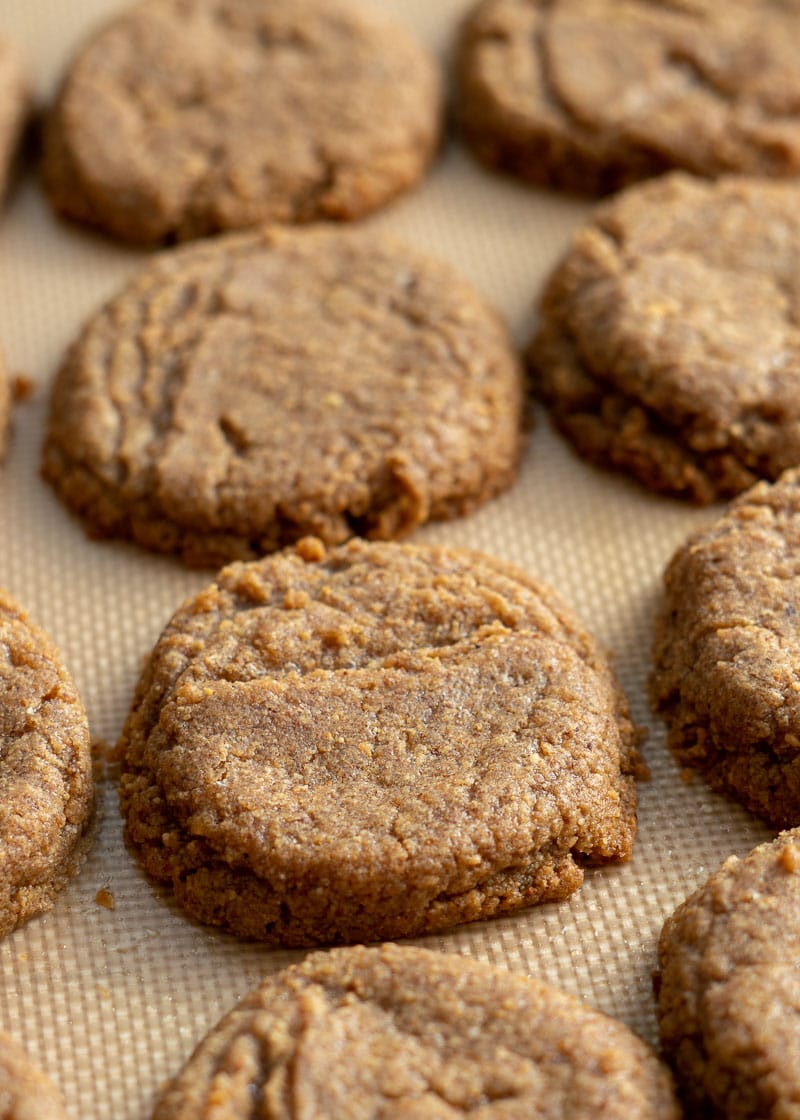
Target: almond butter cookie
x=590, y=95
x=25, y=1092
x=244, y=392
x=45, y=770
x=729, y=996
x=669, y=340
x=399, y=1031
x=374, y=741
x=727, y=647
x=181, y=118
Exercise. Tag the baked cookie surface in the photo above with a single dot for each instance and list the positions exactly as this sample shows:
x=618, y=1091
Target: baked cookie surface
x=591, y=95
x=25, y=1092
x=669, y=340
x=45, y=770
x=242, y=393
x=182, y=118
x=730, y=994
x=726, y=651
x=400, y=1031
x=375, y=741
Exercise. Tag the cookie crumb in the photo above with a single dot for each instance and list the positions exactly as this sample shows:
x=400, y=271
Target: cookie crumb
x=22, y=388
x=106, y=899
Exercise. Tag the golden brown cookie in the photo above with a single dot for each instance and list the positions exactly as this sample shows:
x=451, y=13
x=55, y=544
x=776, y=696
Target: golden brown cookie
x=669, y=341
x=375, y=741
x=729, y=988
x=727, y=649
x=593, y=94
x=14, y=107
x=244, y=392
x=181, y=118
x=45, y=771
x=404, y=1032
x=25, y=1092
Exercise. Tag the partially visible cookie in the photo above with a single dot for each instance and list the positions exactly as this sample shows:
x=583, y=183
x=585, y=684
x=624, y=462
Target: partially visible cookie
x=25, y=1092
x=375, y=741
x=729, y=997
x=244, y=392
x=45, y=770
x=405, y=1032
x=727, y=651
x=14, y=107
x=181, y=118
x=591, y=95
x=669, y=340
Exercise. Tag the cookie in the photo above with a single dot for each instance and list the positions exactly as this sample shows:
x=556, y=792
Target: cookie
x=727, y=648
x=242, y=393
x=729, y=989
x=400, y=1031
x=669, y=338
x=45, y=771
x=25, y=1092
x=14, y=107
x=181, y=118
x=372, y=742
x=591, y=95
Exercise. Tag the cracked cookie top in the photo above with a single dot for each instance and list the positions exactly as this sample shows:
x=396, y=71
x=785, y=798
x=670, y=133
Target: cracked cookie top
x=182, y=118
x=244, y=392
x=400, y=1031
x=385, y=738
x=593, y=94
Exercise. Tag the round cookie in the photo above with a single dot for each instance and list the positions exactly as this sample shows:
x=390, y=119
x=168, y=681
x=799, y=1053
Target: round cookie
x=726, y=652
x=25, y=1092
x=242, y=393
x=669, y=340
x=181, y=118
x=400, y=1031
x=14, y=107
x=45, y=770
x=591, y=95
x=729, y=995
x=375, y=741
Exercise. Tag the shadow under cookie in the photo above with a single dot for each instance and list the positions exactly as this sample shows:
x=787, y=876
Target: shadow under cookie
x=376, y=741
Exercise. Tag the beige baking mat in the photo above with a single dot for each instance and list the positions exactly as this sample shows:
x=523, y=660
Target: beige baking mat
x=111, y=1001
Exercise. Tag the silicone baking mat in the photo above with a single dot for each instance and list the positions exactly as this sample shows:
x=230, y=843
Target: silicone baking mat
x=110, y=1001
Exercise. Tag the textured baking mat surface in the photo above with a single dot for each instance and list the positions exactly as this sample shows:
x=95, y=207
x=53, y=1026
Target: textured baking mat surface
x=112, y=1001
